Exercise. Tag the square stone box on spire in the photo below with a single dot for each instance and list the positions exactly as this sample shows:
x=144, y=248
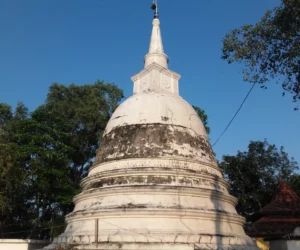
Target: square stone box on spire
x=156, y=78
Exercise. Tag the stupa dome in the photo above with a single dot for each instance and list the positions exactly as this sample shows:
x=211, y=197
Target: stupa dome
x=155, y=124
x=159, y=108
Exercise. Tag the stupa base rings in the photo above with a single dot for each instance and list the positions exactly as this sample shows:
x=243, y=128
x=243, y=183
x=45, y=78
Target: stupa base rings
x=204, y=243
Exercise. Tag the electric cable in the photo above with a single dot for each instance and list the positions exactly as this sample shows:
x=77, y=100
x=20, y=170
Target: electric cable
x=236, y=113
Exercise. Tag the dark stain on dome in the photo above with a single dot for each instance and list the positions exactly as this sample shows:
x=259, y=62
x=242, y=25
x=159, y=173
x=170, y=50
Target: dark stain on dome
x=165, y=118
x=151, y=141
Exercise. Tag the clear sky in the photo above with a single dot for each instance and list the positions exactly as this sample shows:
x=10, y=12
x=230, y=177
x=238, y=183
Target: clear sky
x=76, y=41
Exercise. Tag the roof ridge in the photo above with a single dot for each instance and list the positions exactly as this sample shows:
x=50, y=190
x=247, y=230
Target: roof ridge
x=284, y=193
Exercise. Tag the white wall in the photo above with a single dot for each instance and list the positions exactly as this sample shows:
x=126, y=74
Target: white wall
x=285, y=245
x=13, y=244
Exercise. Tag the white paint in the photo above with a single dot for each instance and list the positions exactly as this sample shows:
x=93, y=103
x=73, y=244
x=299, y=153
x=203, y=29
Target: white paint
x=177, y=201
x=162, y=108
x=156, y=51
x=16, y=244
x=296, y=231
x=155, y=78
x=205, y=202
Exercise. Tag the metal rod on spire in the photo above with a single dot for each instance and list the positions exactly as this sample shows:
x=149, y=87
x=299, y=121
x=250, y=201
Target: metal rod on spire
x=155, y=8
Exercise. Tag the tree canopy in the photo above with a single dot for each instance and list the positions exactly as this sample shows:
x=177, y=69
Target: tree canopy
x=12, y=173
x=45, y=154
x=270, y=49
x=204, y=118
x=253, y=175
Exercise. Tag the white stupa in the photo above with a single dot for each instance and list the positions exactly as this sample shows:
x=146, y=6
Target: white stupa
x=155, y=183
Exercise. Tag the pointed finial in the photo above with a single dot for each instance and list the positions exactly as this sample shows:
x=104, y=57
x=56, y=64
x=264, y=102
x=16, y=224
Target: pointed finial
x=155, y=8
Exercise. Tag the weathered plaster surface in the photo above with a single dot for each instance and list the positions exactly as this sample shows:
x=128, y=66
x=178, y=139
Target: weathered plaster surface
x=152, y=141
x=152, y=201
x=155, y=164
x=155, y=183
x=159, y=246
x=156, y=180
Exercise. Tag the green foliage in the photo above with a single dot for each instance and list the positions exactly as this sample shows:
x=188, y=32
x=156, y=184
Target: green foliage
x=253, y=175
x=270, y=49
x=203, y=116
x=5, y=114
x=6, y=164
x=81, y=112
x=294, y=183
x=12, y=175
x=45, y=155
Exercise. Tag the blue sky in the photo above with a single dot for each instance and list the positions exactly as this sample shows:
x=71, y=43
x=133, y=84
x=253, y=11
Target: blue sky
x=76, y=41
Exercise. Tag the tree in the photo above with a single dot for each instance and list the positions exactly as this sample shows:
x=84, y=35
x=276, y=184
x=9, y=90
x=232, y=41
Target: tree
x=253, y=175
x=12, y=175
x=6, y=158
x=203, y=116
x=294, y=183
x=52, y=149
x=6, y=164
x=62, y=138
x=81, y=113
x=270, y=49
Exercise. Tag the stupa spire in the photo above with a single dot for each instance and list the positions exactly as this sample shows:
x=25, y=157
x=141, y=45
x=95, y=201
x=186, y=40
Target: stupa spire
x=156, y=51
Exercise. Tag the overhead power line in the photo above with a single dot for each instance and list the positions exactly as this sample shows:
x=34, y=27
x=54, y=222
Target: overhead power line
x=234, y=115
